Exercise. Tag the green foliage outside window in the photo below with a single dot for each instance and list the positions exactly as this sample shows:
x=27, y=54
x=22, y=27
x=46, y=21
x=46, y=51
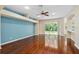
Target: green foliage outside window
x=51, y=27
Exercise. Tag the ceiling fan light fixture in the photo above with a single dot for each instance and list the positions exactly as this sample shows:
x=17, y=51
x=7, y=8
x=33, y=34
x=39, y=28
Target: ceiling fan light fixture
x=27, y=7
x=54, y=13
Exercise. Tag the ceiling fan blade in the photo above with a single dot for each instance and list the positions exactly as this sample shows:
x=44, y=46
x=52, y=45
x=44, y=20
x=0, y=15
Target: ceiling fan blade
x=47, y=15
x=46, y=12
x=42, y=13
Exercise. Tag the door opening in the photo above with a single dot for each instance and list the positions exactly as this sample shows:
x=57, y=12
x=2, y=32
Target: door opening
x=51, y=34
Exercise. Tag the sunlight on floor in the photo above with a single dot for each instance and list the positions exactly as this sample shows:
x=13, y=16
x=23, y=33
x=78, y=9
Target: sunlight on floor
x=51, y=41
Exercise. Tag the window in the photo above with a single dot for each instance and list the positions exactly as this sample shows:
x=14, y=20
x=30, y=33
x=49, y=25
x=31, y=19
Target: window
x=51, y=28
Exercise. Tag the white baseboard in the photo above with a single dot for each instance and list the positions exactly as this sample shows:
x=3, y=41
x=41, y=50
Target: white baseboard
x=77, y=46
x=17, y=39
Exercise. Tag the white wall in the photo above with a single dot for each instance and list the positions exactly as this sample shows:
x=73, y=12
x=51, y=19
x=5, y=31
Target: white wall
x=77, y=31
x=60, y=22
x=75, y=19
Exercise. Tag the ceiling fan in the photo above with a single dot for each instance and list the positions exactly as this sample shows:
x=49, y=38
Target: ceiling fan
x=43, y=12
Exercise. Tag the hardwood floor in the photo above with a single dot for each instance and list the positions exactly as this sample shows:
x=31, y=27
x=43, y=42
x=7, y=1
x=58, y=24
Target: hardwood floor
x=38, y=44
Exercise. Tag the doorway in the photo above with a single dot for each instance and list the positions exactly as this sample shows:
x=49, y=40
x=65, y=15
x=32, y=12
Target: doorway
x=51, y=34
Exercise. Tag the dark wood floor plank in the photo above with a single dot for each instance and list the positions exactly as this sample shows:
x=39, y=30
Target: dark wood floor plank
x=35, y=45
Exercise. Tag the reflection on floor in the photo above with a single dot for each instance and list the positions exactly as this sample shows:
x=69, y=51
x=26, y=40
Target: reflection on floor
x=51, y=41
x=38, y=44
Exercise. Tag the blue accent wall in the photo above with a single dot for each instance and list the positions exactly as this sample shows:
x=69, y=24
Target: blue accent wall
x=0, y=29
x=12, y=29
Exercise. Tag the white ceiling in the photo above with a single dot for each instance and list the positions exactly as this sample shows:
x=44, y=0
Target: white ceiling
x=35, y=10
